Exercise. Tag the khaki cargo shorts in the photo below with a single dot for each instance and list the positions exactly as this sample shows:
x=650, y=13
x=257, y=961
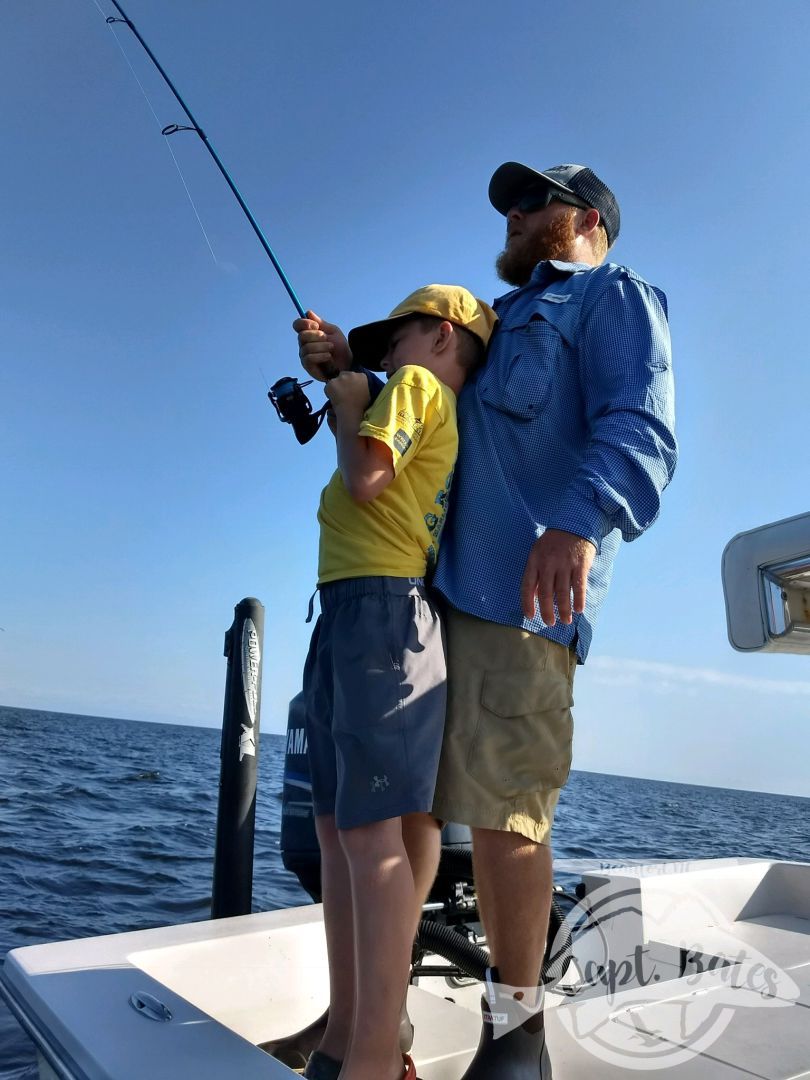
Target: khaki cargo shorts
x=508, y=732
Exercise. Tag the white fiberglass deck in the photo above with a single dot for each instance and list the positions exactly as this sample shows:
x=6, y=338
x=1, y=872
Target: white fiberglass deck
x=235, y=983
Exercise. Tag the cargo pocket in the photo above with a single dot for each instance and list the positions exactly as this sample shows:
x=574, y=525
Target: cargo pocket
x=522, y=741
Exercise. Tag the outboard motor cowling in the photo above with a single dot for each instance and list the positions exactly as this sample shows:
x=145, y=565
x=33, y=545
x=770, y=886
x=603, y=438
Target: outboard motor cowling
x=300, y=852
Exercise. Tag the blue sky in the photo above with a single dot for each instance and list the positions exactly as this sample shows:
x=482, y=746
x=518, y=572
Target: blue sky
x=147, y=484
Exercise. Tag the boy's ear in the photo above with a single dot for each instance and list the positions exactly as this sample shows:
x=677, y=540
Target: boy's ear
x=444, y=335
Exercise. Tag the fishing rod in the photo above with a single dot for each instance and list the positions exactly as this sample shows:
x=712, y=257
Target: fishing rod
x=287, y=394
x=172, y=129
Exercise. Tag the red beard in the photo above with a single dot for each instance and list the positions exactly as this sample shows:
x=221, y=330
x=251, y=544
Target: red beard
x=556, y=240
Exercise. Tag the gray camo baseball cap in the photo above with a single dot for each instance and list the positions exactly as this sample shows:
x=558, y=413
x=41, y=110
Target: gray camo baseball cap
x=512, y=180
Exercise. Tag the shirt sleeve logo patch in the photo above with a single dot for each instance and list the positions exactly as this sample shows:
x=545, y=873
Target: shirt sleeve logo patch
x=402, y=442
x=409, y=420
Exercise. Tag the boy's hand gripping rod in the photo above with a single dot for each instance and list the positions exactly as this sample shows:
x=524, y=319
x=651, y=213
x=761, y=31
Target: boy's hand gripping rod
x=172, y=128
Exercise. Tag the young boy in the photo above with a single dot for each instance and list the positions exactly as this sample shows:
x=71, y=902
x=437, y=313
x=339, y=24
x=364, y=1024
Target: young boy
x=374, y=680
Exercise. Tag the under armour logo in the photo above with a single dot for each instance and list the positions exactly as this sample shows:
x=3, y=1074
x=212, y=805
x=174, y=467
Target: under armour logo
x=380, y=783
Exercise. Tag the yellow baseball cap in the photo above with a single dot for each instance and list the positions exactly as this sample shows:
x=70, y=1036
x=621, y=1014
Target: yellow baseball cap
x=370, y=342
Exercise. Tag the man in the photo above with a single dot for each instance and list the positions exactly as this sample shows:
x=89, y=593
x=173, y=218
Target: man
x=566, y=444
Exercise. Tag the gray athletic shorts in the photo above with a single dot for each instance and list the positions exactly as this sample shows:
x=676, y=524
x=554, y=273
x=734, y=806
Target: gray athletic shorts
x=375, y=687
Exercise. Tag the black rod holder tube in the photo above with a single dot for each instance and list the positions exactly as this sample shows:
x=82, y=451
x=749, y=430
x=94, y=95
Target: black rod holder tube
x=232, y=892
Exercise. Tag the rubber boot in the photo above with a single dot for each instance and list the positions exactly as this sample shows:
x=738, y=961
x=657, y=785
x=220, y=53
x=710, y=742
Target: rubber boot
x=513, y=1041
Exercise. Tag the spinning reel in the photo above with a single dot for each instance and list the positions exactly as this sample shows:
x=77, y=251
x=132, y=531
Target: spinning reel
x=294, y=407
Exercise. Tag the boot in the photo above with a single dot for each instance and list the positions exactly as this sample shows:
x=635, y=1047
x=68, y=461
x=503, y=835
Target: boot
x=520, y=1053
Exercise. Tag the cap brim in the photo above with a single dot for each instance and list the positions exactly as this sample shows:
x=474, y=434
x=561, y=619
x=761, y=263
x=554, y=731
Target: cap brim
x=369, y=343
x=510, y=181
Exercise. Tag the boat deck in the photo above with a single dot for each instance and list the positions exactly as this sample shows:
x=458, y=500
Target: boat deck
x=233, y=984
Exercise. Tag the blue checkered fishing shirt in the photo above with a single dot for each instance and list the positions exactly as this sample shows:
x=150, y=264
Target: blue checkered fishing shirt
x=569, y=425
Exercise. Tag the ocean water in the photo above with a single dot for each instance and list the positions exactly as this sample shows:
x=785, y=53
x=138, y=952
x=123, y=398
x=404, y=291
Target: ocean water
x=108, y=825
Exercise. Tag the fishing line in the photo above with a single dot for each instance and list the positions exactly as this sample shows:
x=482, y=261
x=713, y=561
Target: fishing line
x=287, y=394
x=157, y=121
x=171, y=129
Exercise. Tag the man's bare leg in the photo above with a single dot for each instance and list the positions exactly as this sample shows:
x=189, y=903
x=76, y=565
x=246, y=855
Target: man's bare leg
x=513, y=880
x=384, y=903
x=337, y=916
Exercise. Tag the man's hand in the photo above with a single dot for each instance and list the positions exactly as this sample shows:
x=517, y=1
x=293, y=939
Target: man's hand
x=323, y=349
x=557, y=565
x=348, y=393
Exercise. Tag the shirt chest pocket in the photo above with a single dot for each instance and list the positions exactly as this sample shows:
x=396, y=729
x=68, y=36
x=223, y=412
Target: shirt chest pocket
x=522, y=382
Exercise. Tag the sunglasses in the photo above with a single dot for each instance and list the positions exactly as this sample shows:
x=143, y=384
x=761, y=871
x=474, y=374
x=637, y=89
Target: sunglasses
x=540, y=198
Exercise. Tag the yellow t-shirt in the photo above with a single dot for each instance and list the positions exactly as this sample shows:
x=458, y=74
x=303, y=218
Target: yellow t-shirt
x=397, y=533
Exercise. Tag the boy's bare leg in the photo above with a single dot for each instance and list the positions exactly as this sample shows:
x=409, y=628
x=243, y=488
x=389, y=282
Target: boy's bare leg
x=384, y=901
x=336, y=888
x=422, y=836
x=513, y=879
